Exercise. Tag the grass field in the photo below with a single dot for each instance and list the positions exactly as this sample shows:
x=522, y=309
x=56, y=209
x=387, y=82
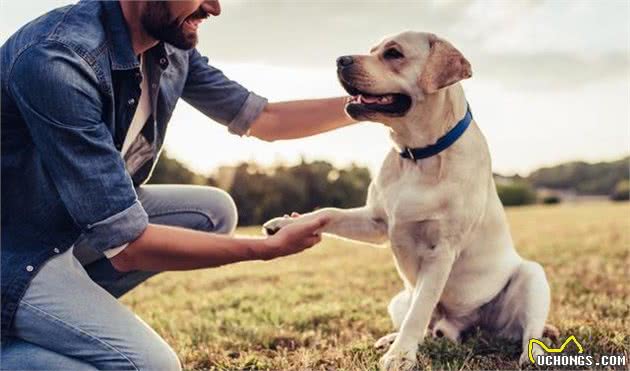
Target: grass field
x=324, y=309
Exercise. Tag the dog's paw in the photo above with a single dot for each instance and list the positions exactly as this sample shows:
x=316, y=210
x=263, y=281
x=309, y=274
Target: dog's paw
x=524, y=360
x=385, y=341
x=274, y=225
x=397, y=363
x=551, y=332
x=397, y=359
x=443, y=328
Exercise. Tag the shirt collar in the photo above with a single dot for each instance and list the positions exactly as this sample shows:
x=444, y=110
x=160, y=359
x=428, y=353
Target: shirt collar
x=161, y=52
x=120, y=48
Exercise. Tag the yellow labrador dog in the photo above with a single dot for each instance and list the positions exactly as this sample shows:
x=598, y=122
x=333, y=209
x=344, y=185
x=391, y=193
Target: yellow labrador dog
x=435, y=200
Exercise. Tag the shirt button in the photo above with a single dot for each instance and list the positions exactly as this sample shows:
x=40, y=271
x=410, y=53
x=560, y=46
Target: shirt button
x=131, y=102
x=29, y=268
x=154, y=86
x=56, y=250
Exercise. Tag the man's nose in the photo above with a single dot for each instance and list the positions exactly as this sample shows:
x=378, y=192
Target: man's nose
x=212, y=7
x=344, y=61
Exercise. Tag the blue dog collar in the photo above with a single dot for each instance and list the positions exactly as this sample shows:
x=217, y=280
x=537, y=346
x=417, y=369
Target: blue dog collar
x=443, y=143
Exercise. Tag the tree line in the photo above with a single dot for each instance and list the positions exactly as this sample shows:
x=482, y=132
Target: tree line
x=581, y=178
x=262, y=193
x=593, y=179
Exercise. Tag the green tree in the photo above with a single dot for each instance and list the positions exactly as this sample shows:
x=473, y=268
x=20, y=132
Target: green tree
x=599, y=178
x=622, y=191
x=517, y=193
x=170, y=171
x=261, y=194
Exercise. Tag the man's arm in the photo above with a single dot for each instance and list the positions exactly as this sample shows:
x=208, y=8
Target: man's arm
x=302, y=118
x=58, y=96
x=242, y=111
x=161, y=248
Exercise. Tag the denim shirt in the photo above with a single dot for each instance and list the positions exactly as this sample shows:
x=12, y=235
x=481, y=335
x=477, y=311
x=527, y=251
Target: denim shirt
x=70, y=85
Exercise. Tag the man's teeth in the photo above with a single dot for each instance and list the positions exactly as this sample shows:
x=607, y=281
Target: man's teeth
x=371, y=99
x=194, y=22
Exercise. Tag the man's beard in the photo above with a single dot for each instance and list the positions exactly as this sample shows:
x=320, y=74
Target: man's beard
x=157, y=22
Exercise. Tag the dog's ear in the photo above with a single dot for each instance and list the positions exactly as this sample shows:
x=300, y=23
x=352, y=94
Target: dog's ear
x=445, y=66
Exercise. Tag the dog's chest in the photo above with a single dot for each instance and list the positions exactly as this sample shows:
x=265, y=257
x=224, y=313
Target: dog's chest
x=412, y=237
x=416, y=228
x=401, y=183
x=412, y=243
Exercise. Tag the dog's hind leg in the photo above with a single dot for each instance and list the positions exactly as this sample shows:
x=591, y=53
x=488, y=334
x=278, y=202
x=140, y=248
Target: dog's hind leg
x=399, y=306
x=522, y=309
x=536, y=295
x=397, y=309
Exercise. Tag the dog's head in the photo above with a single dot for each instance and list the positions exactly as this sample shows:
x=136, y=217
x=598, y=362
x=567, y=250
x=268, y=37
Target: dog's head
x=398, y=74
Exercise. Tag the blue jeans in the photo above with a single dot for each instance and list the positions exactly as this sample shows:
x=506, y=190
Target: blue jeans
x=69, y=318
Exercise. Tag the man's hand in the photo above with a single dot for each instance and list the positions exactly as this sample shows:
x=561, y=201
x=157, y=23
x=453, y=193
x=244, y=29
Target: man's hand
x=293, y=238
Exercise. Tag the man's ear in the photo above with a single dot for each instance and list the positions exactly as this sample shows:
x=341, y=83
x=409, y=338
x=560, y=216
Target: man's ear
x=444, y=66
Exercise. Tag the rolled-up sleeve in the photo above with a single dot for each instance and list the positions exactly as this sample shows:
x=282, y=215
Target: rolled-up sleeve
x=57, y=94
x=220, y=98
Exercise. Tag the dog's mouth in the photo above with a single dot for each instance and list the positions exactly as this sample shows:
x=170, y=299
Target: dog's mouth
x=391, y=104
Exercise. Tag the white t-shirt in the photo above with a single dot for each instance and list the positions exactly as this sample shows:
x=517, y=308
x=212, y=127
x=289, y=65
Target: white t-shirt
x=140, y=117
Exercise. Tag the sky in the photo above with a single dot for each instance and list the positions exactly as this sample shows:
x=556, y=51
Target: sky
x=551, y=79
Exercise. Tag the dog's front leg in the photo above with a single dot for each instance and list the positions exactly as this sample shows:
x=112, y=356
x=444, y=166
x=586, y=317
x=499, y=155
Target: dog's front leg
x=430, y=283
x=359, y=224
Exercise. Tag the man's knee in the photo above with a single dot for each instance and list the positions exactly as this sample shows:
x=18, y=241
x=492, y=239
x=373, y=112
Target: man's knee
x=145, y=353
x=156, y=357
x=221, y=209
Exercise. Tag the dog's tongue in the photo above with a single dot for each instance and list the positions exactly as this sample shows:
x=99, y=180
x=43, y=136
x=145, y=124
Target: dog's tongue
x=371, y=99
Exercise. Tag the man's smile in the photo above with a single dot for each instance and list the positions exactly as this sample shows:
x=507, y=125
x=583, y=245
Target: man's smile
x=192, y=22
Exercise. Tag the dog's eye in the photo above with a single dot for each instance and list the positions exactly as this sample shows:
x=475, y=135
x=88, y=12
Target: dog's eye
x=392, y=53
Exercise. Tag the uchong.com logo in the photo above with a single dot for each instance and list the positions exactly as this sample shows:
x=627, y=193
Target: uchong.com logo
x=556, y=357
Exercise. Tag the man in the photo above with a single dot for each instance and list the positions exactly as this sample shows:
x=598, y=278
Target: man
x=87, y=92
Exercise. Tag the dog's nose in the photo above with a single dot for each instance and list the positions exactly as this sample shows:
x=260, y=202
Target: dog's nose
x=344, y=61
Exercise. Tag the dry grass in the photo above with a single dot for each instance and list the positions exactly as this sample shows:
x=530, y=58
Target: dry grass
x=323, y=309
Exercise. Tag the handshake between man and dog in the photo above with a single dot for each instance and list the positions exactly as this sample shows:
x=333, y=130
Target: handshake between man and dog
x=435, y=200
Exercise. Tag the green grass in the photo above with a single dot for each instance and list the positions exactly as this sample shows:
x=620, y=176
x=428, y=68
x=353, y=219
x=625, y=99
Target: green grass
x=323, y=309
